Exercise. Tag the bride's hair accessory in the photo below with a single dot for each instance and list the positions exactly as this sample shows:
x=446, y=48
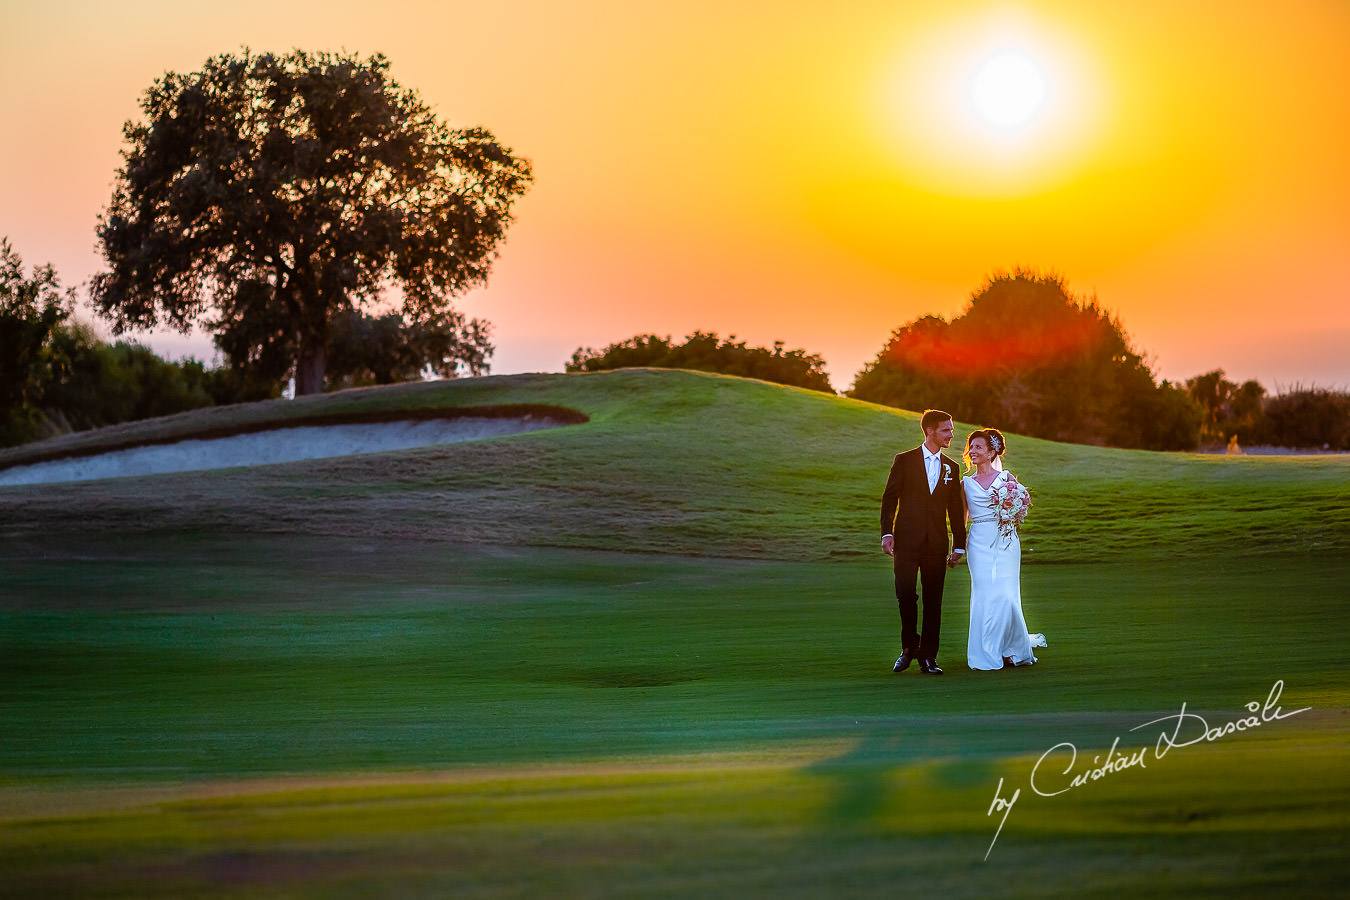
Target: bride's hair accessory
x=995, y=439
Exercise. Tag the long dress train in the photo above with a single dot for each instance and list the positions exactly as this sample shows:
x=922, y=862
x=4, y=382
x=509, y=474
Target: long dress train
x=998, y=630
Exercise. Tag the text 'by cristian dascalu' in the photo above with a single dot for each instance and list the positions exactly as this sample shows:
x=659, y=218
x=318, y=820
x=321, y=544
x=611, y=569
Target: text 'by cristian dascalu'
x=1056, y=771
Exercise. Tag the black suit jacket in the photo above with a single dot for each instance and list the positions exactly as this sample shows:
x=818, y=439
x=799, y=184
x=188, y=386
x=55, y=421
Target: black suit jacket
x=917, y=518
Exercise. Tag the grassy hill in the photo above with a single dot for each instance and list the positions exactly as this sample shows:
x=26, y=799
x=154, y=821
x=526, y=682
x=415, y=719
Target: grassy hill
x=649, y=656
x=684, y=463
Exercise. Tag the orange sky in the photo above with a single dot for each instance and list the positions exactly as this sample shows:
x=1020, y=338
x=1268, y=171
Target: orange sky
x=801, y=171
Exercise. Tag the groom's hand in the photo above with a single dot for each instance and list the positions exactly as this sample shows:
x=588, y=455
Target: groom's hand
x=888, y=544
x=955, y=559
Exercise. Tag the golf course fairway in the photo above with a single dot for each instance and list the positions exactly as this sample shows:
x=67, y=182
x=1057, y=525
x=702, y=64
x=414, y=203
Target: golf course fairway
x=649, y=654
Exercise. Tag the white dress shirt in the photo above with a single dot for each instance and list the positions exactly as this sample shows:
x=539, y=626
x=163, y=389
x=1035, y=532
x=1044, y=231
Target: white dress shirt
x=933, y=463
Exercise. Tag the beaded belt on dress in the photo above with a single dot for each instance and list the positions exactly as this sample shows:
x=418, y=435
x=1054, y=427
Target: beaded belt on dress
x=986, y=521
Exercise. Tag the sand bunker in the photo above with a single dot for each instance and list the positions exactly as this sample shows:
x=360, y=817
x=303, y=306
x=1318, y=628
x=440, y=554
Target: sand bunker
x=275, y=446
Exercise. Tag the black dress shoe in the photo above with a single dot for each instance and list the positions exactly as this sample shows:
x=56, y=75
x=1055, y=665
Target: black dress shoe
x=929, y=667
x=901, y=664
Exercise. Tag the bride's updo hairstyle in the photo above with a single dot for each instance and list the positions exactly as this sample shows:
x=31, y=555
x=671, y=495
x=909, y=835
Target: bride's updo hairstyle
x=993, y=439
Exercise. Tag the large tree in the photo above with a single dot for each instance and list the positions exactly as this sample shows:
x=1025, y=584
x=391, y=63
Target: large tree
x=266, y=195
x=1028, y=356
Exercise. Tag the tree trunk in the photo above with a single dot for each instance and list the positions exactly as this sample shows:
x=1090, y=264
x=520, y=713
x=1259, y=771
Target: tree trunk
x=309, y=369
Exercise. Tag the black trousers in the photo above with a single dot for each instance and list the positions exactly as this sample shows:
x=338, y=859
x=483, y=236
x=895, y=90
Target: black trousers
x=929, y=565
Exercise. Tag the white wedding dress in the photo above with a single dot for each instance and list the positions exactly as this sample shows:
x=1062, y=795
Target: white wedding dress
x=998, y=629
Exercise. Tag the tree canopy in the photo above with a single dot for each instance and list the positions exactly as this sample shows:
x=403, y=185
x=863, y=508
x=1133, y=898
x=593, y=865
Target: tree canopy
x=705, y=352
x=265, y=197
x=1028, y=356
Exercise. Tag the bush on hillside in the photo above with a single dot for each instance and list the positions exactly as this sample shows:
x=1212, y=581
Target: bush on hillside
x=103, y=384
x=33, y=312
x=706, y=353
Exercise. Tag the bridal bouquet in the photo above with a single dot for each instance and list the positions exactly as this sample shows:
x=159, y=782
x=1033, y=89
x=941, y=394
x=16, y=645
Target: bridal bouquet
x=1010, y=501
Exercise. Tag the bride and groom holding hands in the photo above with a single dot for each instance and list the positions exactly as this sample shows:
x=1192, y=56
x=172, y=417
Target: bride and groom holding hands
x=925, y=492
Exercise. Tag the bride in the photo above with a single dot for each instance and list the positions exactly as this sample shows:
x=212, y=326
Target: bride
x=998, y=631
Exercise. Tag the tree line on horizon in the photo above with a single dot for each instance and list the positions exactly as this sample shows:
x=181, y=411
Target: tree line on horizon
x=1028, y=357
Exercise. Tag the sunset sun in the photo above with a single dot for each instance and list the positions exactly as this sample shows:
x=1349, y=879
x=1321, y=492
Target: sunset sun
x=994, y=107
x=1008, y=90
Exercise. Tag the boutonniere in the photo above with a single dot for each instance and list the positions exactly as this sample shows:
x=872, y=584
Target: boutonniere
x=946, y=474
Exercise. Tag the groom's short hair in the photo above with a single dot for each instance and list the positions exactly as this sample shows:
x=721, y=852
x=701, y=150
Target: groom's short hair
x=932, y=418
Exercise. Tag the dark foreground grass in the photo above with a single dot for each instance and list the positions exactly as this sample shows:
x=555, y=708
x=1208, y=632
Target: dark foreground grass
x=712, y=828
x=195, y=716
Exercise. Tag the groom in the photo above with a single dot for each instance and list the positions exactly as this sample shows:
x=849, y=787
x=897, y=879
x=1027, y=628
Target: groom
x=923, y=493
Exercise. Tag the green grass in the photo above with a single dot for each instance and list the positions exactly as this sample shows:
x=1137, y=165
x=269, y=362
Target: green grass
x=434, y=673
x=196, y=718
x=257, y=658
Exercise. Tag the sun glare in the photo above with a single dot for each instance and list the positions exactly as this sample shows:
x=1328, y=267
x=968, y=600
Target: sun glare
x=1008, y=90
x=995, y=106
